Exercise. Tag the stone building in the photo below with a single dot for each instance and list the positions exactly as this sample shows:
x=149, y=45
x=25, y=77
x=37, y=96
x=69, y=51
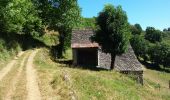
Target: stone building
x=87, y=53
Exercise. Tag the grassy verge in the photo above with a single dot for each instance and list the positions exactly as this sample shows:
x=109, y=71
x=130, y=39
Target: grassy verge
x=61, y=81
x=7, y=51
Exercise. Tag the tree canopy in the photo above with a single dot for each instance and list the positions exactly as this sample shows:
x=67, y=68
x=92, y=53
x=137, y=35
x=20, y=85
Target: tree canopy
x=136, y=29
x=153, y=35
x=140, y=46
x=61, y=16
x=19, y=16
x=113, y=31
x=160, y=54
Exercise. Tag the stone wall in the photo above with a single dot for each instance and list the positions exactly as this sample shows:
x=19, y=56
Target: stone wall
x=104, y=60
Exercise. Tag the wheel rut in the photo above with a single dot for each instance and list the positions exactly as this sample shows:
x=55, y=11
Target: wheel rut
x=31, y=77
x=15, y=79
x=9, y=66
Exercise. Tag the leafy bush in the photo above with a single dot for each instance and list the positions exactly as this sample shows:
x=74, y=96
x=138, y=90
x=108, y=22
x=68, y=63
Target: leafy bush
x=50, y=39
x=8, y=49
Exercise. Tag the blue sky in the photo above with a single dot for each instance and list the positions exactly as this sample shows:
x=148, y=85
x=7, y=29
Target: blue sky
x=154, y=13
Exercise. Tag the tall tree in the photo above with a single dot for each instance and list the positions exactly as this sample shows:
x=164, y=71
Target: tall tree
x=62, y=16
x=153, y=35
x=136, y=29
x=113, y=31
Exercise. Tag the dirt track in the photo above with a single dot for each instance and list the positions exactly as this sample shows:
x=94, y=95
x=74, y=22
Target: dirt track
x=32, y=84
x=7, y=68
x=11, y=74
x=15, y=80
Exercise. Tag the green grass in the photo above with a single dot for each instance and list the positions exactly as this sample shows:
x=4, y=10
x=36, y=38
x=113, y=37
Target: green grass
x=60, y=81
x=159, y=77
x=49, y=39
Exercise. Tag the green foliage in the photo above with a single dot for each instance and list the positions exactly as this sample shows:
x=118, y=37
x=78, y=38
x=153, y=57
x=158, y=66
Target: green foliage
x=20, y=16
x=113, y=31
x=8, y=49
x=160, y=54
x=153, y=35
x=49, y=39
x=61, y=16
x=140, y=46
x=65, y=15
x=136, y=29
x=87, y=23
x=31, y=16
x=154, y=51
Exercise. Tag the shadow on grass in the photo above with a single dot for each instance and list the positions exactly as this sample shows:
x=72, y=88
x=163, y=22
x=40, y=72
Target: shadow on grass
x=29, y=42
x=154, y=67
x=69, y=64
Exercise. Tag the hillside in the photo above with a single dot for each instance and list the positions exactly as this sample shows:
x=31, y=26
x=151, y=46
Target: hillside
x=32, y=74
x=61, y=81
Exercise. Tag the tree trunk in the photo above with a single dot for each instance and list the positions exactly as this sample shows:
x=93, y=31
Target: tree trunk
x=60, y=47
x=113, y=56
x=63, y=39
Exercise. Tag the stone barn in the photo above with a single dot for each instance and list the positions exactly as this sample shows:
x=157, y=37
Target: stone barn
x=87, y=53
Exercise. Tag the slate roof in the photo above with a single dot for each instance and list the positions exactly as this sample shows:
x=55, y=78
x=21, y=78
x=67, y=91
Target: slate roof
x=127, y=62
x=81, y=39
x=124, y=62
